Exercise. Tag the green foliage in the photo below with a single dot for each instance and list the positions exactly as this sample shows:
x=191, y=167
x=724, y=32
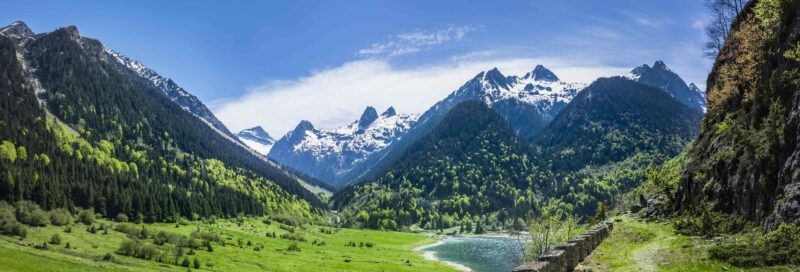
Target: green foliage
x=705, y=222
x=60, y=217
x=546, y=233
x=778, y=247
x=121, y=218
x=86, y=216
x=293, y=247
x=8, y=151
x=30, y=214
x=119, y=146
x=55, y=239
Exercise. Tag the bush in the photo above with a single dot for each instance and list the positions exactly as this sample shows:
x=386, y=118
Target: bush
x=185, y=262
x=138, y=249
x=779, y=247
x=293, y=237
x=293, y=247
x=60, y=217
x=196, y=263
x=708, y=223
x=8, y=221
x=55, y=239
x=16, y=228
x=207, y=236
x=86, y=216
x=108, y=257
x=121, y=218
x=30, y=214
x=129, y=229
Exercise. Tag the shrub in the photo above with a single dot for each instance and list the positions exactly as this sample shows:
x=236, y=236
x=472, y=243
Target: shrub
x=183, y=221
x=207, y=236
x=60, y=217
x=86, y=216
x=185, y=262
x=293, y=237
x=779, y=247
x=287, y=228
x=30, y=214
x=293, y=247
x=196, y=263
x=55, y=239
x=162, y=237
x=108, y=257
x=16, y=228
x=138, y=249
x=8, y=221
x=708, y=223
x=131, y=230
x=121, y=218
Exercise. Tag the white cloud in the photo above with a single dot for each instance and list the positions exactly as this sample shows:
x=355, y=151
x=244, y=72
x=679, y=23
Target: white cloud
x=413, y=42
x=337, y=96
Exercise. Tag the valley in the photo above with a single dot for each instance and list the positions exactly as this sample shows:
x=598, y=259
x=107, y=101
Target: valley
x=108, y=165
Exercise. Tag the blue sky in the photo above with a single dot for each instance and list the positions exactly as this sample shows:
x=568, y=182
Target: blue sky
x=274, y=63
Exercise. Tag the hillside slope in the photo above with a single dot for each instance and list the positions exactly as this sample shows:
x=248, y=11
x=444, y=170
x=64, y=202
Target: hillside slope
x=746, y=158
x=106, y=138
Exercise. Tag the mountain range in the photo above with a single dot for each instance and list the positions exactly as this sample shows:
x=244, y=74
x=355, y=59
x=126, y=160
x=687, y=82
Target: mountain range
x=528, y=103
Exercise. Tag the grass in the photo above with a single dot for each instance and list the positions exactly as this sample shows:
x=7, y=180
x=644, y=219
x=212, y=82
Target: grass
x=636, y=245
x=391, y=251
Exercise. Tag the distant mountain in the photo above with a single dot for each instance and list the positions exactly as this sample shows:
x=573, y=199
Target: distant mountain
x=257, y=139
x=613, y=119
x=527, y=103
x=100, y=135
x=662, y=77
x=17, y=29
x=471, y=163
x=187, y=101
x=329, y=155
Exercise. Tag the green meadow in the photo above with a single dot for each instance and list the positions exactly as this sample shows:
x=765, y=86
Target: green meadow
x=249, y=246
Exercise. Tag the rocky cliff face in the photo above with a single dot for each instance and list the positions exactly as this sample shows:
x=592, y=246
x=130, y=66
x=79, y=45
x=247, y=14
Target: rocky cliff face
x=746, y=158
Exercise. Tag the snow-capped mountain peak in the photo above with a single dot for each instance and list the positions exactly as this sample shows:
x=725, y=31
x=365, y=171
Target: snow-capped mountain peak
x=389, y=112
x=540, y=73
x=328, y=154
x=257, y=139
x=17, y=29
x=369, y=116
x=660, y=76
x=696, y=89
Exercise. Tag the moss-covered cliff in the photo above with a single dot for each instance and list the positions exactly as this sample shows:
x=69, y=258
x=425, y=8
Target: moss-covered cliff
x=745, y=159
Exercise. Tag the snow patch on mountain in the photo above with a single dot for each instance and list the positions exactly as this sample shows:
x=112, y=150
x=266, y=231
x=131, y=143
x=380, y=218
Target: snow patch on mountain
x=177, y=94
x=328, y=154
x=660, y=76
x=257, y=139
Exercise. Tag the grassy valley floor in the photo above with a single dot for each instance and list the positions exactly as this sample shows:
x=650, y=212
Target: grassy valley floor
x=636, y=245
x=389, y=251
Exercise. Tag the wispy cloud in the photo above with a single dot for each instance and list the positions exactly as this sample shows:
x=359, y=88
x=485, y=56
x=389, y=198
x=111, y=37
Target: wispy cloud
x=412, y=42
x=334, y=97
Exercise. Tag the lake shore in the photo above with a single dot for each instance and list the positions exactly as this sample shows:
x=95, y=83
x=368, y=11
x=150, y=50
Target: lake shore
x=430, y=255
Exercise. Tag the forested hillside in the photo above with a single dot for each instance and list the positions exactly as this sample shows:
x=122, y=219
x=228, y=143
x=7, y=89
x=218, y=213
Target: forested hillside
x=473, y=167
x=471, y=164
x=118, y=144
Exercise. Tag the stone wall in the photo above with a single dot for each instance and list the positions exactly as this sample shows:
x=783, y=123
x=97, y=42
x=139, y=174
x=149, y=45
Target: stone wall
x=566, y=256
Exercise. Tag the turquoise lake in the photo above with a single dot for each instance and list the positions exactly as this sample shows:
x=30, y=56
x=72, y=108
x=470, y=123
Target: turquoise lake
x=479, y=253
